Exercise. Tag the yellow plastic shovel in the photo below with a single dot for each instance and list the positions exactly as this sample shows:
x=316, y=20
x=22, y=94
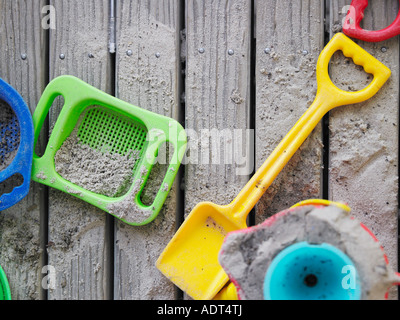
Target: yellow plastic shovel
x=190, y=260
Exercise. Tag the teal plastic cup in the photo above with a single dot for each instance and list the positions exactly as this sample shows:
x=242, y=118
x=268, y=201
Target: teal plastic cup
x=306, y=271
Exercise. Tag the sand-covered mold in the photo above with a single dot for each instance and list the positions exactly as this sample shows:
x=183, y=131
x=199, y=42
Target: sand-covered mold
x=246, y=255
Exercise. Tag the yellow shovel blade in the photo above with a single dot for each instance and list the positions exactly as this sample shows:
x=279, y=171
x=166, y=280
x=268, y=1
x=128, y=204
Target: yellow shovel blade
x=190, y=260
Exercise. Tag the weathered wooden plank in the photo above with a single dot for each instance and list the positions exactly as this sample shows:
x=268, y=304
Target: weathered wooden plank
x=77, y=231
x=290, y=37
x=364, y=137
x=217, y=100
x=148, y=72
x=22, y=48
x=219, y=159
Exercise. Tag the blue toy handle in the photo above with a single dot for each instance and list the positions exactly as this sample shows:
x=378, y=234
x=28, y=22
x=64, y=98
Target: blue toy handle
x=22, y=163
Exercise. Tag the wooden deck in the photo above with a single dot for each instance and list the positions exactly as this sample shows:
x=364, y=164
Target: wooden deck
x=243, y=66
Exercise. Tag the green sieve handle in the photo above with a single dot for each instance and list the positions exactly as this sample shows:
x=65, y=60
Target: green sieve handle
x=176, y=137
x=61, y=86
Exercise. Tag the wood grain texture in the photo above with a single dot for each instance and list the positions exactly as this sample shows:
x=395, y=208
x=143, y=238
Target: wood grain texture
x=21, y=33
x=215, y=53
x=77, y=231
x=217, y=101
x=364, y=137
x=219, y=158
x=290, y=37
x=149, y=78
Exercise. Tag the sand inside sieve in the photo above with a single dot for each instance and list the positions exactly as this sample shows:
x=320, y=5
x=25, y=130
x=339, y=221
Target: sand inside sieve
x=105, y=173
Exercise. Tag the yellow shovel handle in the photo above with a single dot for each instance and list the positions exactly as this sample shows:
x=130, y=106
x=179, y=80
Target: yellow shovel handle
x=328, y=97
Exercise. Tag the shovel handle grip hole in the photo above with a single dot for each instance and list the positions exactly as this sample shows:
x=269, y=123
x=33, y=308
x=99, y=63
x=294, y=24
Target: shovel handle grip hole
x=341, y=64
x=337, y=97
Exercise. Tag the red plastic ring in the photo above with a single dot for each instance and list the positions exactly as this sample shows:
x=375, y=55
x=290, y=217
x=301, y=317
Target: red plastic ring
x=351, y=25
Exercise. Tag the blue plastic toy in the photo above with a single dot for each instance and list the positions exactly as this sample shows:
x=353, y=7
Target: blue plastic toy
x=305, y=271
x=19, y=128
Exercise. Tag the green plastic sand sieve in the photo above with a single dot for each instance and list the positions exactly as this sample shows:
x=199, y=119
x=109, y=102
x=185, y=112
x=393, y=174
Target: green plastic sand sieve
x=95, y=123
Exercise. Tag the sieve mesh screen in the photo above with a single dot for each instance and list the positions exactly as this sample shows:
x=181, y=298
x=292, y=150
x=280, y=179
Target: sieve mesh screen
x=9, y=134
